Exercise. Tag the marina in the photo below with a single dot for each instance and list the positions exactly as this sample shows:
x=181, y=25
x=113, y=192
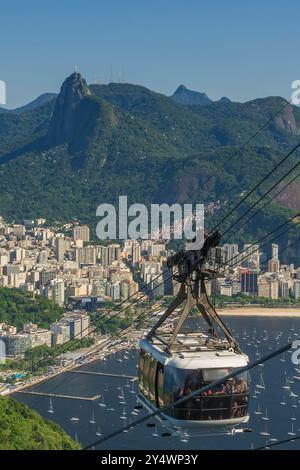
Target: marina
x=117, y=405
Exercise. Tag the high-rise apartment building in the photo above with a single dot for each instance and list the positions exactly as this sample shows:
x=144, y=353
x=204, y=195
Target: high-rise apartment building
x=86, y=255
x=58, y=292
x=81, y=232
x=60, y=249
x=249, y=282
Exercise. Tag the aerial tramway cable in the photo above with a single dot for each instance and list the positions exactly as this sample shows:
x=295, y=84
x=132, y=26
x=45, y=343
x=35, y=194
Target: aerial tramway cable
x=263, y=238
x=264, y=195
x=268, y=202
x=256, y=186
x=278, y=443
x=259, y=129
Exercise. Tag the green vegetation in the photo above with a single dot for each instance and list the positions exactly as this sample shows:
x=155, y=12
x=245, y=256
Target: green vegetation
x=19, y=131
x=112, y=325
x=42, y=357
x=17, y=308
x=24, y=429
x=242, y=299
x=130, y=140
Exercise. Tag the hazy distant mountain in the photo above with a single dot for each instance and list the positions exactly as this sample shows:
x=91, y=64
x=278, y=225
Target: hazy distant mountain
x=42, y=99
x=189, y=97
x=94, y=143
x=224, y=99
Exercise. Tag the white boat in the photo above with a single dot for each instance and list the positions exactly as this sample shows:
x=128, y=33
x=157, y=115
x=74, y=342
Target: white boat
x=265, y=432
x=92, y=420
x=51, y=409
x=125, y=426
x=258, y=410
x=122, y=398
x=124, y=414
x=265, y=417
x=282, y=359
x=286, y=386
x=102, y=402
x=261, y=385
x=99, y=433
x=294, y=405
x=283, y=402
x=74, y=419
x=292, y=432
x=184, y=437
x=155, y=434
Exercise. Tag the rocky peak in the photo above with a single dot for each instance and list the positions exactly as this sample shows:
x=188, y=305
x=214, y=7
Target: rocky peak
x=286, y=121
x=189, y=97
x=73, y=91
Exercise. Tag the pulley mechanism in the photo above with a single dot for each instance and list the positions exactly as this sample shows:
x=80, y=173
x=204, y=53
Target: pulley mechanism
x=193, y=272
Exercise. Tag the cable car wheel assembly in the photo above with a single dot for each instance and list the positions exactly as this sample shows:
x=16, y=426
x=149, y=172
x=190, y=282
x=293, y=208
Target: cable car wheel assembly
x=174, y=364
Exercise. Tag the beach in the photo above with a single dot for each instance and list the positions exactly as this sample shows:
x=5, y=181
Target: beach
x=256, y=311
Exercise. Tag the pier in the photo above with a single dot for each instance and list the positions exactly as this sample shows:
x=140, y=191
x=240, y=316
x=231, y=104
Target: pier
x=56, y=395
x=104, y=374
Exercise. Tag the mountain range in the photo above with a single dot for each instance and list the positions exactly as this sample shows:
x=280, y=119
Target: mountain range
x=193, y=98
x=36, y=103
x=61, y=156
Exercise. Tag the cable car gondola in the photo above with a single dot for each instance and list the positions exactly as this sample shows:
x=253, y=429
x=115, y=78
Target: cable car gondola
x=173, y=364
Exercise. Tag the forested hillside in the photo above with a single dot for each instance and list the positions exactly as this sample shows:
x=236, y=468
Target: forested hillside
x=93, y=144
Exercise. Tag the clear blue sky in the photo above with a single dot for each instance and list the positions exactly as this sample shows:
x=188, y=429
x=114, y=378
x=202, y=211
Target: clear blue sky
x=223, y=47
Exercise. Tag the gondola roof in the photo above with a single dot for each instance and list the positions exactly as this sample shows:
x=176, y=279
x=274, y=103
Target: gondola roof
x=195, y=359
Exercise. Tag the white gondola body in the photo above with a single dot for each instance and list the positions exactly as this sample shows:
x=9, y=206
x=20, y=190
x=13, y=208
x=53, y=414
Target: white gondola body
x=168, y=379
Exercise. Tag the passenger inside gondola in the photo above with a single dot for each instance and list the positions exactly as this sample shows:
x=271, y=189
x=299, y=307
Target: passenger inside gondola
x=224, y=401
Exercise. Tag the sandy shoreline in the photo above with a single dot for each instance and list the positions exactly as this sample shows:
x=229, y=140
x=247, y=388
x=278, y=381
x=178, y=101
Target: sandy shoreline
x=260, y=312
